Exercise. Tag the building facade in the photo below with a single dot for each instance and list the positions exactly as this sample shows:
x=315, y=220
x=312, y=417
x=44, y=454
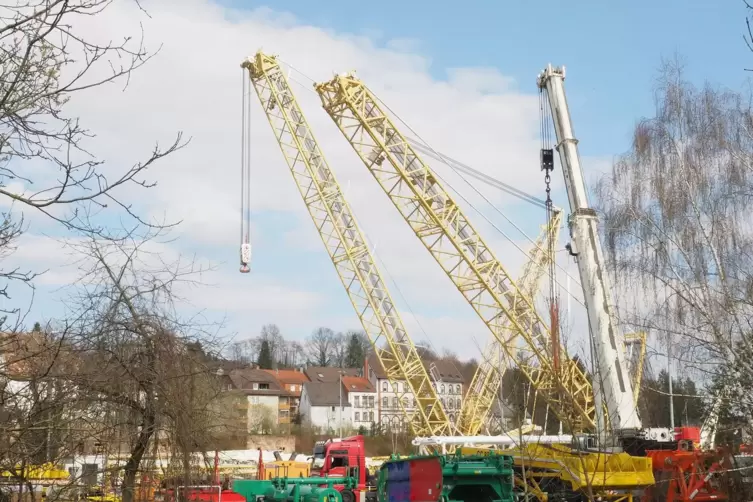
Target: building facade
x=291, y=382
x=448, y=382
x=325, y=407
x=362, y=398
x=263, y=393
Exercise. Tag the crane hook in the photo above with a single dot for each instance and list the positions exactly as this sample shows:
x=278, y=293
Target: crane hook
x=245, y=257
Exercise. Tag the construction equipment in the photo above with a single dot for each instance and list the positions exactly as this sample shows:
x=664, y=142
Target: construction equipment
x=674, y=454
x=442, y=227
x=461, y=252
x=357, y=270
x=485, y=385
x=345, y=244
x=423, y=478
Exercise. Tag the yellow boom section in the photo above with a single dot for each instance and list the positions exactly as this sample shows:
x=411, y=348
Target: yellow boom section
x=485, y=385
x=346, y=245
x=459, y=249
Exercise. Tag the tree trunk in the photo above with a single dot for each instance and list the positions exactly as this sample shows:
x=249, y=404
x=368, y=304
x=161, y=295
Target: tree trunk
x=137, y=453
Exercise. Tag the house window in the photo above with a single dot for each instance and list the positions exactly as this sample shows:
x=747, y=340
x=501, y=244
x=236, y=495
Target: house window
x=384, y=402
x=357, y=403
x=333, y=408
x=397, y=386
x=371, y=401
x=457, y=401
x=394, y=402
x=358, y=417
x=384, y=386
x=442, y=391
x=458, y=389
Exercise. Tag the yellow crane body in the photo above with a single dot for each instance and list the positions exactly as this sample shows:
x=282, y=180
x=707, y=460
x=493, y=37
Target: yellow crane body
x=485, y=385
x=502, y=304
x=445, y=231
x=346, y=246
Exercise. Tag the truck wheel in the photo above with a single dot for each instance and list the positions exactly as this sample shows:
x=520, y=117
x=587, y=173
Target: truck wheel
x=348, y=496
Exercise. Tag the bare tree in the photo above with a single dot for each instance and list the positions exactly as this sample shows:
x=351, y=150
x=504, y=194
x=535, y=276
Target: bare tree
x=319, y=347
x=339, y=350
x=133, y=353
x=45, y=160
x=679, y=231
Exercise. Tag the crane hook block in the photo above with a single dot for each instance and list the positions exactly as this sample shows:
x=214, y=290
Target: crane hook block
x=245, y=257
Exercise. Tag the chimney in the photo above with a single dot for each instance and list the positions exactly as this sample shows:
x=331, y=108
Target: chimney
x=366, y=367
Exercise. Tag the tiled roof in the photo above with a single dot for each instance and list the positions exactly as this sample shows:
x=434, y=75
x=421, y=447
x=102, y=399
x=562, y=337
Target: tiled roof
x=324, y=394
x=289, y=376
x=357, y=384
x=375, y=365
x=447, y=371
x=329, y=374
x=444, y=371
x=244, y=379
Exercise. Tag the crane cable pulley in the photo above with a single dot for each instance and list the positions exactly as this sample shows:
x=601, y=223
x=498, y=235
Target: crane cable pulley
x=245, y=175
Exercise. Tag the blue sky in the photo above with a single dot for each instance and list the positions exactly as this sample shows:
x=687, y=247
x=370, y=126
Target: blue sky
x=407, y=53
x=611, y=49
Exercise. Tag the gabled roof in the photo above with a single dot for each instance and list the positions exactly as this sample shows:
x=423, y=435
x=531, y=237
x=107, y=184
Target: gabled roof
x=329, y=374
x=445, y=371
x=289, y=376
x=376, y=366
x=324, y=394
x=357, y=384
x=244, y=379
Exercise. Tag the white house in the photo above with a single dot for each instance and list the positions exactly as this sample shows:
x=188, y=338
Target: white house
x=447, y=379
x=320, y=406
x=362, y=398
x=263, y=392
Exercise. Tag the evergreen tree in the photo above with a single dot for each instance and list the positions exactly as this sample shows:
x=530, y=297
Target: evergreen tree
x=355, y=354
x=265, y=356
x=37, y=327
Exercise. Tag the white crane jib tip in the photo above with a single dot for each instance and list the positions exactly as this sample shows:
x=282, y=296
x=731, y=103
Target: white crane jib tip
x=548, y=72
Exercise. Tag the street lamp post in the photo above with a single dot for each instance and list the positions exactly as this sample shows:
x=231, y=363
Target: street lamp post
x=341, y=403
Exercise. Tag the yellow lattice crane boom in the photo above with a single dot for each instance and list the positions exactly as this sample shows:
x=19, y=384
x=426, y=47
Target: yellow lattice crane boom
x=485, y=385
x=346, y=245
x=445, y=231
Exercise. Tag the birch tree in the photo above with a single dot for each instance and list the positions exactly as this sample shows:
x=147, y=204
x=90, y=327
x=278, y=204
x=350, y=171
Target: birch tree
x=679, y=232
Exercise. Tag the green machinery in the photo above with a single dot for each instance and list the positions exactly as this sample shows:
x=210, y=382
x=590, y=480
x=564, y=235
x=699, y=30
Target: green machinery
x=415, y=478
x=314, y=489
x=453, y=478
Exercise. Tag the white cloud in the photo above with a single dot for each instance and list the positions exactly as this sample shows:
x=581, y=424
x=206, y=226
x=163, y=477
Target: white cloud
x=476, y=115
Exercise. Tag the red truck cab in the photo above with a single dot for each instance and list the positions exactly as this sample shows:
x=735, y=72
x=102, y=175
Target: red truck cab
x=345, y=457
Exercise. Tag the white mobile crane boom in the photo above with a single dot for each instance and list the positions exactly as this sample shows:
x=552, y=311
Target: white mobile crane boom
x=613, y=383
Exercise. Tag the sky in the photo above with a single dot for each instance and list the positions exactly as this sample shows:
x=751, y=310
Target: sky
x=462, y=78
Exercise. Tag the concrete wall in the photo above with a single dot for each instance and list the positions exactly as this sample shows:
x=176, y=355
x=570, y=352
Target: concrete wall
x=269, y=442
